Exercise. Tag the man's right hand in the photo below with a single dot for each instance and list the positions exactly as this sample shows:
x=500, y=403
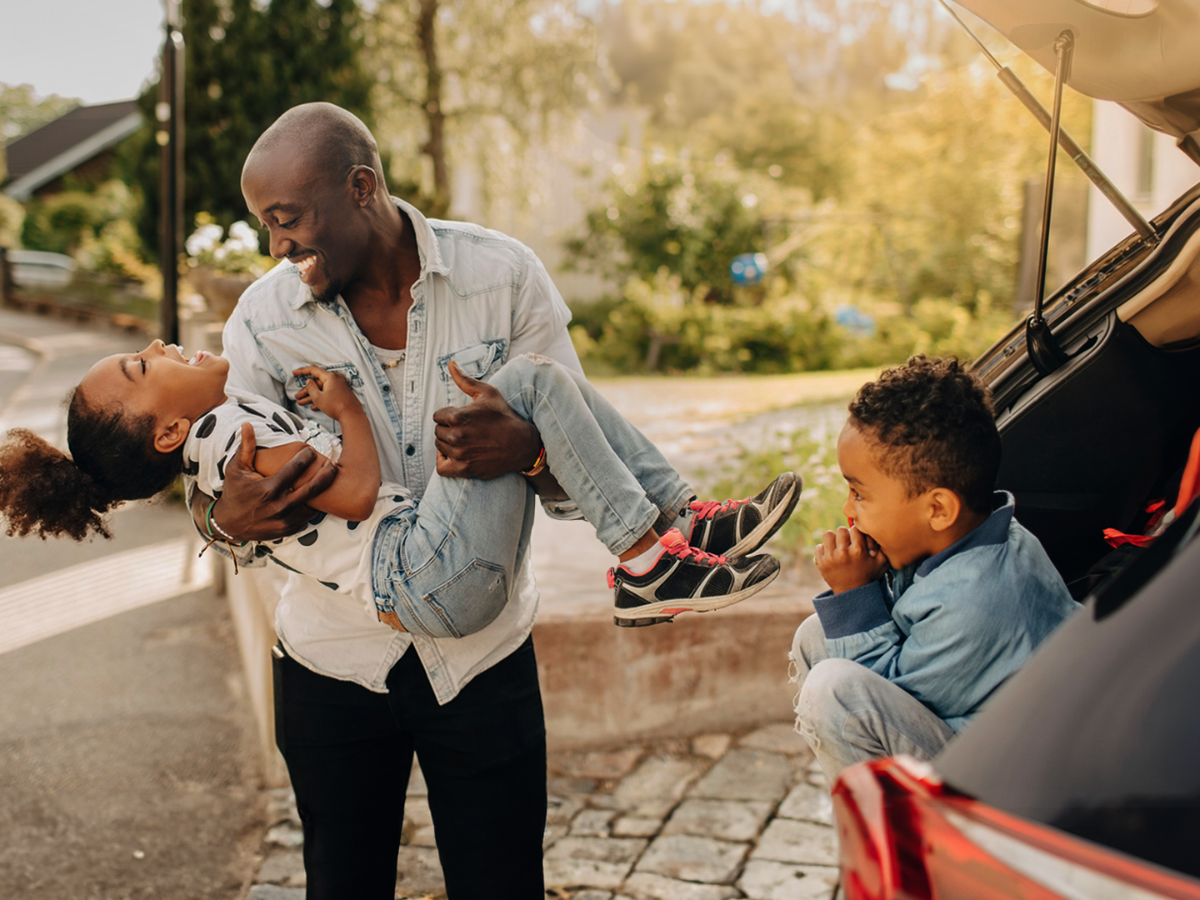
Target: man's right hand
x=256, y=508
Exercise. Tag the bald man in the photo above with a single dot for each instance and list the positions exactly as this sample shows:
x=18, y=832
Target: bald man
x=370, y=288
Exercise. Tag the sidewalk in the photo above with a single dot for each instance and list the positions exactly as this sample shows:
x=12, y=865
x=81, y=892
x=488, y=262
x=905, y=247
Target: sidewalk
x=713, y=817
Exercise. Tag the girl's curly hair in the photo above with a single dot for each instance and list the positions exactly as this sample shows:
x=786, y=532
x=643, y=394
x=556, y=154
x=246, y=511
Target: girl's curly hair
x=934, y=425
x=44, y=491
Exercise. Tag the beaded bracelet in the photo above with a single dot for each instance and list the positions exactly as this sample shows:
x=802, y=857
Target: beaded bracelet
x=539, y=464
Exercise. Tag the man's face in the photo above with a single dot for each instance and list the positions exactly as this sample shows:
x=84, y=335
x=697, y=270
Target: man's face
x=311, y=217
x=880, y=504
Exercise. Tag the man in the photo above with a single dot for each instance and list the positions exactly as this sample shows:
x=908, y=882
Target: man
x=370, y=288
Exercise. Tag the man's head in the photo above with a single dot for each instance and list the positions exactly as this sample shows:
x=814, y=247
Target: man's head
x=920, y=454
x=315, y=181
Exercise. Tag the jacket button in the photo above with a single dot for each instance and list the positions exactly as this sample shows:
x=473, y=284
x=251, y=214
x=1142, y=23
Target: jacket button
x=410, y=449
x=387, y=388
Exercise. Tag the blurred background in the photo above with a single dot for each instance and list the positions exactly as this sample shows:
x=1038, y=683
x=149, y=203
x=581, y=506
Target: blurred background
x=769, y=187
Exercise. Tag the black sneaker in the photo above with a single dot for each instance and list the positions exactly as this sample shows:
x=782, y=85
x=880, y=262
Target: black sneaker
x=737, y=527
x=685, y=579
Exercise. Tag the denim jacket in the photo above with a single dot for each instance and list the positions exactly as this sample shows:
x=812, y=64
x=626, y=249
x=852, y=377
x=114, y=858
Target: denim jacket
x=952, y=628
x=481, y=297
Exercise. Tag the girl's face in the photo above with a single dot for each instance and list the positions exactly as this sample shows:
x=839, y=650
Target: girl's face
x=160, y=381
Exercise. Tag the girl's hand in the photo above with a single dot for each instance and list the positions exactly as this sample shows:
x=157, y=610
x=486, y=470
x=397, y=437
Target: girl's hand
x=847, y=559
x=328, y=392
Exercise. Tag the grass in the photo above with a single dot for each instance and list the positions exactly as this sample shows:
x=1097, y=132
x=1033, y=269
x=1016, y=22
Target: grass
x=815, y=460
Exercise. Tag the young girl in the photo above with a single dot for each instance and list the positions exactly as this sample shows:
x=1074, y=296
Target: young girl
x=137, y=420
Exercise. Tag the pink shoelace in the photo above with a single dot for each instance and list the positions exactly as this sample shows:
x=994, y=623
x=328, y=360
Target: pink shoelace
x=676, y=544
x=708, y=508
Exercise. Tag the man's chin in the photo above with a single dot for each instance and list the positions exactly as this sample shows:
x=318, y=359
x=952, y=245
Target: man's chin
x=328, y=292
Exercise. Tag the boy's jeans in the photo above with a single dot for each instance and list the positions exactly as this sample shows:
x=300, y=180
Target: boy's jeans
x=848, y=714
x=445, y=566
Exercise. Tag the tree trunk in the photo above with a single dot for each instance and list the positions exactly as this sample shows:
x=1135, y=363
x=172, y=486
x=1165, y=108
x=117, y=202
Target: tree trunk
x=435, y=147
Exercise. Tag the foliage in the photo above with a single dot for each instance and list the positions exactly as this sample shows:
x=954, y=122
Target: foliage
x=469, y=76
x=246, y=63
x=12, y=216
x=812, y=455
x=658, y=326
x=22, y=110
x=688, y=220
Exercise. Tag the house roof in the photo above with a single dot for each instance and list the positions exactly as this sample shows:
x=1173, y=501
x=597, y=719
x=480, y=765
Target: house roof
x=56, y=148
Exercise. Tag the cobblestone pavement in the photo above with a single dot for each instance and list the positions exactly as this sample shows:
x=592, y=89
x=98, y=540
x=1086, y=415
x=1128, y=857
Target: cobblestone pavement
x=713, y=817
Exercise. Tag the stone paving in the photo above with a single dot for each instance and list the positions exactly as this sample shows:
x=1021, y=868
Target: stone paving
x=713, y=817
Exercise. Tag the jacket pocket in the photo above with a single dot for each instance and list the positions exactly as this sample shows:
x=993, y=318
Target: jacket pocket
x=478, y=361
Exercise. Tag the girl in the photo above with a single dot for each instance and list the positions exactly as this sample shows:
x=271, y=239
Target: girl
x=137, y=420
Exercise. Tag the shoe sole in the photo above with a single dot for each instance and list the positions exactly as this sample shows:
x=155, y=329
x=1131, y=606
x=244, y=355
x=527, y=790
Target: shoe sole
x=768, y=526
x=653, y=613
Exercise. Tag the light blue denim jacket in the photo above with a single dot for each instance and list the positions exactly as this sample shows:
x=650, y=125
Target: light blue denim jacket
x=481, y=297
x=951, y=629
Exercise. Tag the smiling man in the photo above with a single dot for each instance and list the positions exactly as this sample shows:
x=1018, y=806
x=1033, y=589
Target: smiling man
x=371, y=289
x=936, y=593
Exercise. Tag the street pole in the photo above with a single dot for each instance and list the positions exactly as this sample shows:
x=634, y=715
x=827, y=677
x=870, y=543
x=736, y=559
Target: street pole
x=169, y=134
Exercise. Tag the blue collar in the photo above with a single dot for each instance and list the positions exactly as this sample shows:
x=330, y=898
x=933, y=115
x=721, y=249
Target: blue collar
x=994, y=530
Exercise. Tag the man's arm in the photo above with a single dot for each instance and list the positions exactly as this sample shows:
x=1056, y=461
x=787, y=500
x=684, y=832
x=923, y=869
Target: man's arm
x=253, y=507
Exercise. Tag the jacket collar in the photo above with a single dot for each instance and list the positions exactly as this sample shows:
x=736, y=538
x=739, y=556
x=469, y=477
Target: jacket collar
x=993, y=530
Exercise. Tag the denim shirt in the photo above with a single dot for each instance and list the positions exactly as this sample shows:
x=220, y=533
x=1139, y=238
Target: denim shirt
x=952, y=628
x=481, y=297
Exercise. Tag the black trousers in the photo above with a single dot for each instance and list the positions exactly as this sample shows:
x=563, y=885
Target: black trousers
x=349, y=752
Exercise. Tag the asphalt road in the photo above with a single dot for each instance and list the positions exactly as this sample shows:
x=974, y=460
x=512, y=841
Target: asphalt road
x=128, y=762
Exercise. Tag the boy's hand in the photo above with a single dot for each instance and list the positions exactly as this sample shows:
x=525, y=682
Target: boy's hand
x=327, y=391
x=848, y=559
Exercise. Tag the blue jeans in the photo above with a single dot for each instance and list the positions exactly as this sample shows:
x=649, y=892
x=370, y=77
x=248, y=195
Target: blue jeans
x=848, y=713
x=444, y=567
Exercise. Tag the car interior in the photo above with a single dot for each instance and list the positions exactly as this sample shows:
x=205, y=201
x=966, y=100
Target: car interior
x=1092, y=444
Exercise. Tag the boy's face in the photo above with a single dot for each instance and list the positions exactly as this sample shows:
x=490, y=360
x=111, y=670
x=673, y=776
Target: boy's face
x=880, y=504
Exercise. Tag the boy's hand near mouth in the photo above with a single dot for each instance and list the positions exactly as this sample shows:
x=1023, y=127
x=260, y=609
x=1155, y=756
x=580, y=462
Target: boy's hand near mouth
x=848, y=559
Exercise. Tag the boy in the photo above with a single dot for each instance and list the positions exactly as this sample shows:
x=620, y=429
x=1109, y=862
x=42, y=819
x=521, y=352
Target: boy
x=936, y=593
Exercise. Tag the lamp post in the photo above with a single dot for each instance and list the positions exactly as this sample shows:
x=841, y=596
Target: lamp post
x=169, y=135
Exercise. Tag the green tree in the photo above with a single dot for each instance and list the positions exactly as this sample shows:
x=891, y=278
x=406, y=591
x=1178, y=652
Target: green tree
x=472, y=74
x=688, y=220
x=246, y=63
x=22, y=110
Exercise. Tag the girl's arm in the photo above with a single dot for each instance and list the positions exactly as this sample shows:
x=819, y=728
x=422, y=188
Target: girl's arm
x=353, y=493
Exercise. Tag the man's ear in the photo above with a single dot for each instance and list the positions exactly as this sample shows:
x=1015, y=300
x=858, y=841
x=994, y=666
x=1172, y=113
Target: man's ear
x=945, y=507
x=170, y=435
x=363, y=184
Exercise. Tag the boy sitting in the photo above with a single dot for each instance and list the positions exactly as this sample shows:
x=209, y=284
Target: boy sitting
x=936, y=593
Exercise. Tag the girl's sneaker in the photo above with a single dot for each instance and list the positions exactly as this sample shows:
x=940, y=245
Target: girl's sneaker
x=685, y=579
x=737, y=527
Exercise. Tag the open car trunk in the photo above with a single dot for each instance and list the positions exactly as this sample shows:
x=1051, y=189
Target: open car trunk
x=1090, y=445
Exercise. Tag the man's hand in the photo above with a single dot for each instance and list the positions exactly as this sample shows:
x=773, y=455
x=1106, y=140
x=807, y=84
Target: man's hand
x=848, y=559
x=328, y=392
x=254, y=508
x=485, y=438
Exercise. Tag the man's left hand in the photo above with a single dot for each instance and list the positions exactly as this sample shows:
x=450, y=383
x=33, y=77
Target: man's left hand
x=485, y=438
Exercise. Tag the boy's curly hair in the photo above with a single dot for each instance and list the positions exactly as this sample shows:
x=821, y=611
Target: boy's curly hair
x=934, y=424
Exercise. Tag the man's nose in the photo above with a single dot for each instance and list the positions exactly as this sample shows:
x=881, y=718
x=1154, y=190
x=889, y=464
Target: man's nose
x=279, y=246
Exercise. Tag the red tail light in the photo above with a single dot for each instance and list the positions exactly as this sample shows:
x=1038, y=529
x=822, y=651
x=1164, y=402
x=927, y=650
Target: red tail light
x=903, y=836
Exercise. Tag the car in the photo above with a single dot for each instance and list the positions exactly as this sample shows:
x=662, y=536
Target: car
x=40, y=269
x=1080, y=778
